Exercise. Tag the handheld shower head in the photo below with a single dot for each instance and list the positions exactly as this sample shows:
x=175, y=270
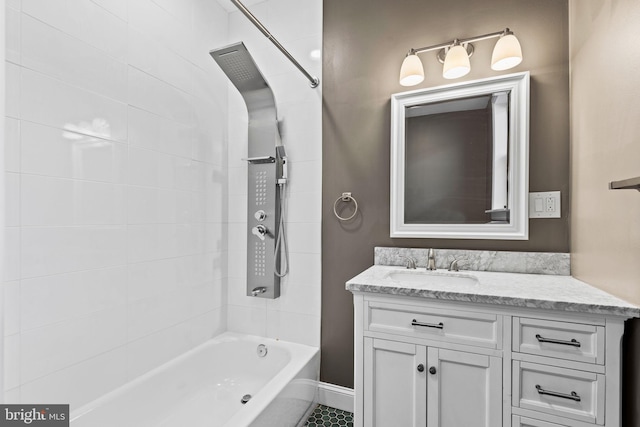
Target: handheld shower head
x=281, y=157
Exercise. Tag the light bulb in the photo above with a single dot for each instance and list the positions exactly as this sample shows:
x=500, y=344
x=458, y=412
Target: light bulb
x=456, y=63
x=507, y=53
x=411, y=72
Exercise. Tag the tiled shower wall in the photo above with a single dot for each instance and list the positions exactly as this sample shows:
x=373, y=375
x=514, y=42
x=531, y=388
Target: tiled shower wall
x=295, y=316
x=116, y=191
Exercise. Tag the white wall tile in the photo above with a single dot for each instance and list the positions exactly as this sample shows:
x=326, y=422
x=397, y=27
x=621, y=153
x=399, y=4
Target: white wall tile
x=81, y=382
x=247, y=320
x=12, y=90
x=294, y=327
x=46, y=201
x=158, y=24
x=117, y=7
x=142, y=243
x=12, y=396
x=304, y=207
x=182, y=10
x=237, y=295
x=57, y=201
x=53, y=250
x=296, y=298
x=12, y=34
x=60, y=153
x=85, y=20
x=51, y=102
x=153, y=278
x=295, y=19
x=14, y=4
x=304, y=237
x=305, y=269
x=153, y=350
x=11, y=308
x=12, y=145
x=157, y=60
x=153, y=132
x=50, y=299
x=96, y=71
x=12, y=258
x=11, y=361
x=151, y=94
x=302, y=131
x=70, y=342
x=12, y=199
x=305, y=177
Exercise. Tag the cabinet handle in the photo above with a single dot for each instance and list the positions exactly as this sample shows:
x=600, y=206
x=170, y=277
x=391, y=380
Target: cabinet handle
x=432, y=370
x=421, y=368
x=440, y=325
x=573, y=342
x=572, y=396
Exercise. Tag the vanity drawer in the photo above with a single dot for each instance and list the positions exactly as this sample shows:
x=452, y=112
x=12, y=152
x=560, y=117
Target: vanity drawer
x=568, y=393
x=529, y=422
x=564, y=340
x=478, y=329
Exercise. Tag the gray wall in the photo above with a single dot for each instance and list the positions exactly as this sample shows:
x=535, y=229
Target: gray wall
x=605, y=147
x=364, y=44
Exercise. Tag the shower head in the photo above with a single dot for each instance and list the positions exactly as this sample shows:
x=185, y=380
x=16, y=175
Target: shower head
x=236, y=62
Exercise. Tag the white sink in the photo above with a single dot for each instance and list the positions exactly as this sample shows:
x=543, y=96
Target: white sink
x=432, y=278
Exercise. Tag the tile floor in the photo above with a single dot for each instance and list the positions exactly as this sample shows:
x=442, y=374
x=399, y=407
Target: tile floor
x=325, y=416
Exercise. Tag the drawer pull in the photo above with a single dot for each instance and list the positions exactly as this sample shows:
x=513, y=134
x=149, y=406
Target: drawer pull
x=440, y=325
x=573, y=342
x=572, y=396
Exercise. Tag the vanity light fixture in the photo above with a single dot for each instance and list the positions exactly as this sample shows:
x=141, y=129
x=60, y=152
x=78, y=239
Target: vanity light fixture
x=455, y=55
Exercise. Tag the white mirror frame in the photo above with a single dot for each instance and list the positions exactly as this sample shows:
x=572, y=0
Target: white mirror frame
x=518, y=176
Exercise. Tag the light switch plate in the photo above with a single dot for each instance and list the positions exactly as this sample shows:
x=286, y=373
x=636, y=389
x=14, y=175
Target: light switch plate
x=544, y=204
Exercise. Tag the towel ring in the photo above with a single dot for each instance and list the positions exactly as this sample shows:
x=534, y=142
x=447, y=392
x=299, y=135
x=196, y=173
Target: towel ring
x=346, y=197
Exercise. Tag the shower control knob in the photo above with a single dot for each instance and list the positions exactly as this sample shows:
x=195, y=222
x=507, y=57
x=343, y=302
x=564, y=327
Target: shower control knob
x=260, y=231
x=260, y=215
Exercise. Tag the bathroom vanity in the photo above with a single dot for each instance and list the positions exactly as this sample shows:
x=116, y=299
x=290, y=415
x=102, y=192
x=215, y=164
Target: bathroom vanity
x=479, y=348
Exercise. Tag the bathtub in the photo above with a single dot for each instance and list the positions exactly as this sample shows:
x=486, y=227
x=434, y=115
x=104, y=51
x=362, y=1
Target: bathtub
x=205, y=386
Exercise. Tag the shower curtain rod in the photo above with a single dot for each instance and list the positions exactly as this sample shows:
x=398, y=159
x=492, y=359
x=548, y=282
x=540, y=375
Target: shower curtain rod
x=314, y=81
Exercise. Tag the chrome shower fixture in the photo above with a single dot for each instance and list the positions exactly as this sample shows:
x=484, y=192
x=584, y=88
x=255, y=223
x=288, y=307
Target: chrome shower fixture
x=267, y=171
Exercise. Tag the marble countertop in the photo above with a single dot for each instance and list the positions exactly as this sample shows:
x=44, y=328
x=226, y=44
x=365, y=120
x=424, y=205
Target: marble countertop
x=563, y=293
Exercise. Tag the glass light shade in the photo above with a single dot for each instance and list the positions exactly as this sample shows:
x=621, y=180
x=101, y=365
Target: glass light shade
x=507, y=53
x=411, y=72
x=456, y=63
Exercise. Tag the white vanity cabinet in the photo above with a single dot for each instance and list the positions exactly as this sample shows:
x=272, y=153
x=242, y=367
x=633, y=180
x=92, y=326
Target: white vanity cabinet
x=446, y=387
x=429, y=362
x=425, y=365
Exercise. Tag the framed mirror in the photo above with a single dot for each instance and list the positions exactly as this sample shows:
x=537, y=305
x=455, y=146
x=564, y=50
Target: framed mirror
x=460, y=160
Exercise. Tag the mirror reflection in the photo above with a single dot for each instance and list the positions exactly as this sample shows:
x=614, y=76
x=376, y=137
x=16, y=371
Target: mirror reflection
x=456, y=159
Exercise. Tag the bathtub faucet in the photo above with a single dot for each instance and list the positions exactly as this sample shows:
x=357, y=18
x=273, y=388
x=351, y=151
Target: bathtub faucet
x=259, y=290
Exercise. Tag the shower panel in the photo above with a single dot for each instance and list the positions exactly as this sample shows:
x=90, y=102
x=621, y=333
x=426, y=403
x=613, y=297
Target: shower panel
x=266, y=170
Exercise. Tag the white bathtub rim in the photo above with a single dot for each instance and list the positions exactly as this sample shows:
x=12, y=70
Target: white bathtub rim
x=271, y=389
x=301, y=354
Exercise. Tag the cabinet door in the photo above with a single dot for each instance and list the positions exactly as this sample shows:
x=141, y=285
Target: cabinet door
x=463, y=389
x=394, y=389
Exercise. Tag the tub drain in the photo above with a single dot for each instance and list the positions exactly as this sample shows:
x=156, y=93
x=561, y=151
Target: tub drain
x=245, y=398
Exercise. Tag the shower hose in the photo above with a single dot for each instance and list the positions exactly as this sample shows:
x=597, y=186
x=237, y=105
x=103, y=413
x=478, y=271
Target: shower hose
x=281, y=240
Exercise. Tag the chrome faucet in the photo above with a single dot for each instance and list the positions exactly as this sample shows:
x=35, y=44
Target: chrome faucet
x=259, y=290
x=431, y=260
x=410, y=262
x=454, y=265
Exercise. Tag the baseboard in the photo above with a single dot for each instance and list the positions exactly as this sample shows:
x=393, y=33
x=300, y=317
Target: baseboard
x=335, y=396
